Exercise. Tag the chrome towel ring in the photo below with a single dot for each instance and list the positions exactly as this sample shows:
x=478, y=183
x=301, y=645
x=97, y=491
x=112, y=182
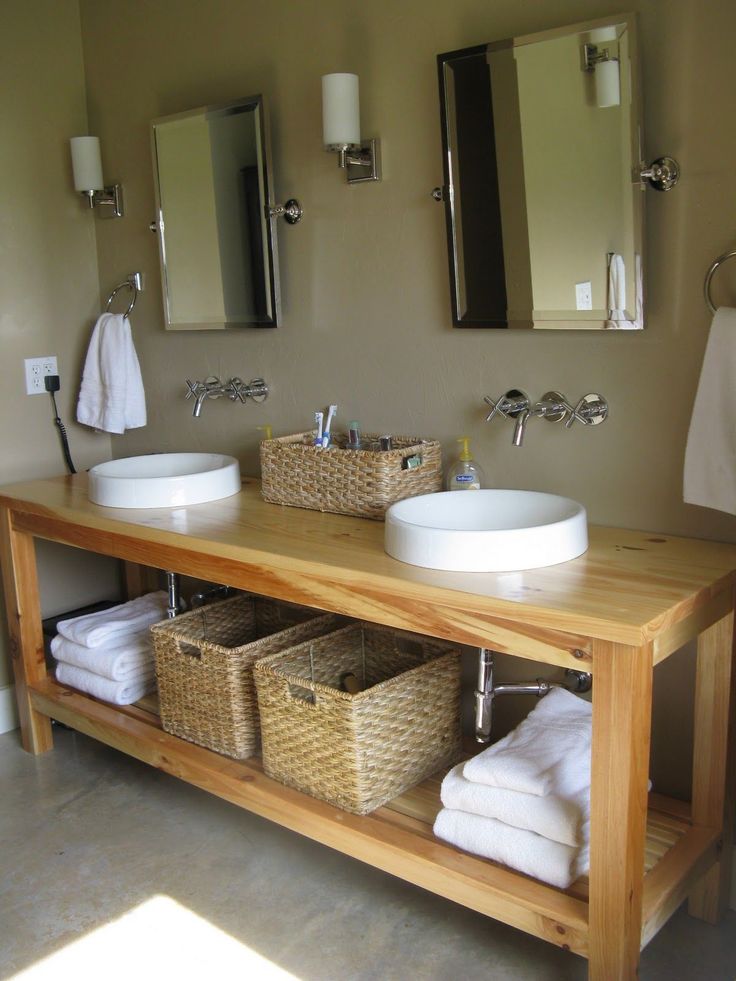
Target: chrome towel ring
x=709, y=276
x=134, y=283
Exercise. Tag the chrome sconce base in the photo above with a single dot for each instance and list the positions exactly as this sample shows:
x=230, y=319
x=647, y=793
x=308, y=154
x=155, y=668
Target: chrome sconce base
x=662, y=174
x=291, y=212
x=360, y=161
x=109, y=200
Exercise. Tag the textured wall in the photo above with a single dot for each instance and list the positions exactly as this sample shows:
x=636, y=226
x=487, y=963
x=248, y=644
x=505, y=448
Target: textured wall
x=48, y=271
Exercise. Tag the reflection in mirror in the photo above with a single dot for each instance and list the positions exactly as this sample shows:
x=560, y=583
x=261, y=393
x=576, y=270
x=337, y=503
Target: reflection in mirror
x=217, y=245
x=543, y=206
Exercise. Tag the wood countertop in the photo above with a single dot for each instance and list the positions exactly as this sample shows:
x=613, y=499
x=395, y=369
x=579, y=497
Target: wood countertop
x=630, y=587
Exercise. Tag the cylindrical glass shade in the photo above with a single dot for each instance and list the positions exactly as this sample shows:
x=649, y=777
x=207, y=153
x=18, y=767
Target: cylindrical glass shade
x=340, y=109
x=86, y=163
x=607, y=84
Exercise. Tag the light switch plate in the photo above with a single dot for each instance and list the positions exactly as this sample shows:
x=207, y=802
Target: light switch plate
x=583, y=296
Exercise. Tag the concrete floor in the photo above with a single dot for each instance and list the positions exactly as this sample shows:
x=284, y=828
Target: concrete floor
x=111, y=869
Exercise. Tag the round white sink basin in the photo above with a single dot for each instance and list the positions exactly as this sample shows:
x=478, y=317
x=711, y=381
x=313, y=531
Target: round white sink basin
x=164, y=480
x=486, y=530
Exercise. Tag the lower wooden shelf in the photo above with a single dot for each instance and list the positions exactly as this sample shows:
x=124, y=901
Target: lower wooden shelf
x=398, y=838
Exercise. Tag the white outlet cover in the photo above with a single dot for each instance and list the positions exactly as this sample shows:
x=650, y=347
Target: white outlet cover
x=36, y=370
x=583, y=296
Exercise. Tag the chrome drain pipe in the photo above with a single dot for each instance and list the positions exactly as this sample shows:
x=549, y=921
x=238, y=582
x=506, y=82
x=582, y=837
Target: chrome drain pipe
x=486, y=691
x=172, y=586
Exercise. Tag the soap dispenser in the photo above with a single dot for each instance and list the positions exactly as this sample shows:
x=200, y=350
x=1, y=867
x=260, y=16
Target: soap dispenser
x=464, y=474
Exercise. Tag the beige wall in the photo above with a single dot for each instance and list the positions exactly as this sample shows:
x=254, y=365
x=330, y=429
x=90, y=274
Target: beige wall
x=364, y=276
x=48, y=272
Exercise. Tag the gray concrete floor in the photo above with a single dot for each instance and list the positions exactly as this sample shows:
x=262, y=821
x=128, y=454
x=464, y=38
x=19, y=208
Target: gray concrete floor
x=89, y=835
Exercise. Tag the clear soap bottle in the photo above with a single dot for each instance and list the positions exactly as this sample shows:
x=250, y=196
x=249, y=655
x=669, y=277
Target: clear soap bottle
x=464, y=474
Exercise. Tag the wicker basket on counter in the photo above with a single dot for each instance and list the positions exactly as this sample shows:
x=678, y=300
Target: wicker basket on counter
x=358, y=751
x=361, y=482
x=204, y=666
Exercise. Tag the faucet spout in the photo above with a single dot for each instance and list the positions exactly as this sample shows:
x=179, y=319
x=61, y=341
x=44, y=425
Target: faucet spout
x=520, y=428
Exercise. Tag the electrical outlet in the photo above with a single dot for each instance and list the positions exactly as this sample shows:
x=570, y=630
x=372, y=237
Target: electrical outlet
x=36, y=371
x=583, y=296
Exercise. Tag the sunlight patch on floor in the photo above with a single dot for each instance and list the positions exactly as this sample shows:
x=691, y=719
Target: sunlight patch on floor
x=158, y=939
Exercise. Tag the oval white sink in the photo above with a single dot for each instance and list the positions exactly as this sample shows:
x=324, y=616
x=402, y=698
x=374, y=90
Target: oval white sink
x=164, y=480
x=486, y=530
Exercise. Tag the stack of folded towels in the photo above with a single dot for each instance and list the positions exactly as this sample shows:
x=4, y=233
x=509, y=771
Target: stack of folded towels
x=525, y=801
x=110, y=654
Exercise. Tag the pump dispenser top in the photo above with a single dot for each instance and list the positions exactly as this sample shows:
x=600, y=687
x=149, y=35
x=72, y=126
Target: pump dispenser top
x=464, y=474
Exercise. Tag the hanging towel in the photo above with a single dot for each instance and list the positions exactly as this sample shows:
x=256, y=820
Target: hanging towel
x=616, y=290
x=710, y=456
x=559, y=865
x=111, y=397
x=111, y=626
x=544, y=751
x=562, y=815
x=117, y=692
x=123, y=662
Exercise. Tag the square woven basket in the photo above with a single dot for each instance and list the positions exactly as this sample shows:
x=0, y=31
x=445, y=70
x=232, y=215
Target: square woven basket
x=363, y=483
x=204, y=667
x=358, y=751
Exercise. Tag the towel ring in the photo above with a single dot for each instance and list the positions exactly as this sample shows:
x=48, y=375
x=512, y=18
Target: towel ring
x=709, y=276
x=134, y=283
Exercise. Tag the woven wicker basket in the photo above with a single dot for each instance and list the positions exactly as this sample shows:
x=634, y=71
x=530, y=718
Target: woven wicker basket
x=204, y=667
x=359, y=751
x=358, y=482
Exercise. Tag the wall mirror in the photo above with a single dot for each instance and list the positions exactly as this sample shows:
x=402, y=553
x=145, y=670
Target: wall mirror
x=217, y=246
x=543, y=199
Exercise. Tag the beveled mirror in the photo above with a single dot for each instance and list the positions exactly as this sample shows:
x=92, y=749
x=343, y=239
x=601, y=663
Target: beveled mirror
x=217, y=245
x=542, y=189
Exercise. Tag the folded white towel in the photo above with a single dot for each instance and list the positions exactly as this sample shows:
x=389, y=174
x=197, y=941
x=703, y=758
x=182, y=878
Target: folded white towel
x=111, y=397
x=110, y=627
x=123, y=662
x=559, y=818
x=710, y=456
x=559, y=865
x=117, y=692
x=549, y=752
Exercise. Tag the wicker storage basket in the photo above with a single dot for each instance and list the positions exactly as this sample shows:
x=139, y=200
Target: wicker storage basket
x=359, y=751
x=359, y=482
x=204, y=667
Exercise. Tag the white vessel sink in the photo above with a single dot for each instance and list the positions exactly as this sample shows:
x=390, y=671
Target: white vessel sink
x=486, y=530
x=164, y=480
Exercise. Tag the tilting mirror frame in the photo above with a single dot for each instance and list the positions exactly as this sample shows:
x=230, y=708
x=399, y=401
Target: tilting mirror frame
x=511, y=267
x=267, y=290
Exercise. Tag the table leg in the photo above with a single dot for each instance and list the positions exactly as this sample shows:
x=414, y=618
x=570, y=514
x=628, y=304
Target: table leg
x=622, y=699
x=139, y=579
x=713, y=762
x=20, y=583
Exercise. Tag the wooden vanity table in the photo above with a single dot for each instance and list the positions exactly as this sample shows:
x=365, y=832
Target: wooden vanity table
x=617, y=611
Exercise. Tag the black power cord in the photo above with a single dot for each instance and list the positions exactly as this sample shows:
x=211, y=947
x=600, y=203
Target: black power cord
x=53, y=384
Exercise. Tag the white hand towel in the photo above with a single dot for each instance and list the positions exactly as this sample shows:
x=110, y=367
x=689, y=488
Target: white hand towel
x=550, y=748
x=559, y=865
x=616, y=290
x=111, y=626
x=117, y=692
x=559, y=818
x=710, y=456
x=111, y=397
x=123, y=662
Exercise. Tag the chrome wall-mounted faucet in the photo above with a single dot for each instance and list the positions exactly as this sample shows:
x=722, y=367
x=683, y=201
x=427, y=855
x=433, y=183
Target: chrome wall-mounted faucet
x=590, y=410
x=236, y=390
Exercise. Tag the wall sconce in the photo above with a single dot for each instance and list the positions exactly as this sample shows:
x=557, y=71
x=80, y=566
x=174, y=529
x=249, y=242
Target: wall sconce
x=604, y=66
x=87, y=167
x=341, y=129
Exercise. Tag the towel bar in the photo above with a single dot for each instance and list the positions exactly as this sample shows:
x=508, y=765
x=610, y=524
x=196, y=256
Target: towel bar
x=134, y=282
x=709, y=276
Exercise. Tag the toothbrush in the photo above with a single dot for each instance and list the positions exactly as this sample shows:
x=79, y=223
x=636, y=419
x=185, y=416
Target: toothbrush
x=318, y=416
x=330, y=416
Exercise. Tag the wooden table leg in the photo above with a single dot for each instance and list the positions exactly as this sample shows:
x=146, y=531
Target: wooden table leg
x=622, y=700
x=140, y=579
x=713, y=762
x=20, y=583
